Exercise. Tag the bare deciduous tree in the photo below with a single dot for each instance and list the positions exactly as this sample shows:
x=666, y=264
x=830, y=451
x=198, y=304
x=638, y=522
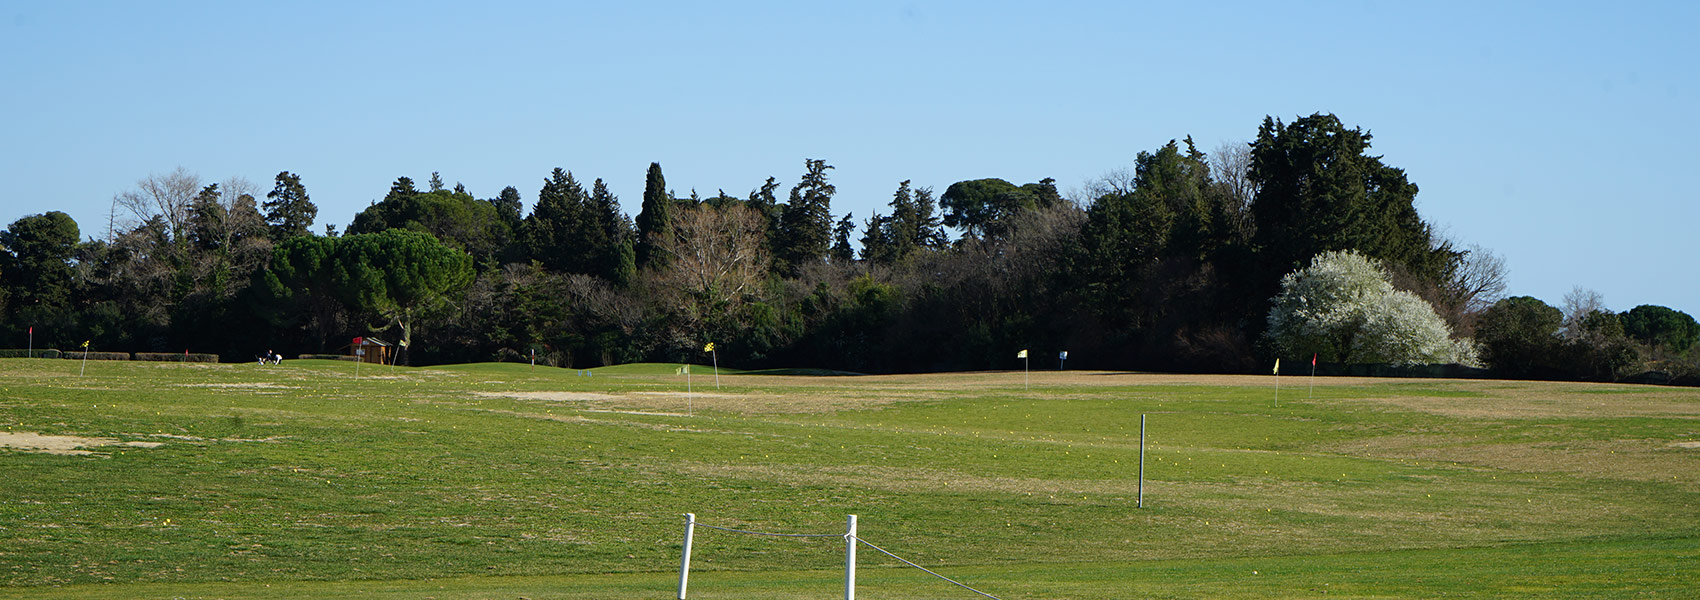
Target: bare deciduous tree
x=1115, y=182
x=1230, y=168
x=169, y=196
x=1578, y=304
x=716, y=255
x=1480, y=279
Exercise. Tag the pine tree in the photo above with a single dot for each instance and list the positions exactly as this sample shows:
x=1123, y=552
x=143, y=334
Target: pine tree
x=805, y=223
x=841, y=250
x=288, y=210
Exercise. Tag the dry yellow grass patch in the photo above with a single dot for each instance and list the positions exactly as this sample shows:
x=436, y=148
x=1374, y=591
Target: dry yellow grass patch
x=1634, y=460
x=1546, y=400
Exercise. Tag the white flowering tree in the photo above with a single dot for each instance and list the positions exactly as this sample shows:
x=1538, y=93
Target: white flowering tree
x=1343, y=309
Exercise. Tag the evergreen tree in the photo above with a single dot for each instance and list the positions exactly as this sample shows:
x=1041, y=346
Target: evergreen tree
x=35, y=265
x=653, y=221
x=288, y=210
x=509, y=208
x=805, y=223
x=401, y=189
x=841, y=250
x=558, y=223
x=877, y=246
x=1319, y=190
x=617, y=255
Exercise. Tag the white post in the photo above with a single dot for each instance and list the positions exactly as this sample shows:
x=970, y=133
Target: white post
x=716, y=355
x=685, y=563
x=85, y=369
x=850, y=559
x=1312, y=392
x=1026, y=364
x=1141, y=461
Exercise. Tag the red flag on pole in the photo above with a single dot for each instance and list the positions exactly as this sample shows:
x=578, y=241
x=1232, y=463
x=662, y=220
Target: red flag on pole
x=1313, y=360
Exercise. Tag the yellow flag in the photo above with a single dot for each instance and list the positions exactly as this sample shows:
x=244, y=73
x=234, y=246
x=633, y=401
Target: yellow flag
x=709, y=347
x=1021, y=354
x=86, y=343
x=1277, y=366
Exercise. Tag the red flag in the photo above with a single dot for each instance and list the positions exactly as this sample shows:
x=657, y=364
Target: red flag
x=32, y=330
x=1313, y=360
x=359, y=341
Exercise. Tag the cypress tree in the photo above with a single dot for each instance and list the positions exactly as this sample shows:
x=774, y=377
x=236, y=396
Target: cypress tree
x=654, y=221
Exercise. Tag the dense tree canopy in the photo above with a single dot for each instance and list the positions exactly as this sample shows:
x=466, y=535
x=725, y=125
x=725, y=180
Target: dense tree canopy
x=1170, y=263
x=1319, y=190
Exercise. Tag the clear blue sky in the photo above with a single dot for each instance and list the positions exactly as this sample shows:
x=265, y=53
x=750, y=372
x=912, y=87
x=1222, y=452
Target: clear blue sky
x=1561, y=135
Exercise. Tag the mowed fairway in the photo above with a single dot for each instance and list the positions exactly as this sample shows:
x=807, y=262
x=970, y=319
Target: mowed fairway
x=498, y=481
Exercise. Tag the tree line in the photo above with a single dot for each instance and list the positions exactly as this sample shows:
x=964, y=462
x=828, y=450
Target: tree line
x=1298, y=243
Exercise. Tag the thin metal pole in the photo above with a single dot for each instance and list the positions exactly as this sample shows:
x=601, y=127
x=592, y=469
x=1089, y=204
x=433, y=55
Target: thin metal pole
x=1141, y=461
x=850, y=559
x=685, y=562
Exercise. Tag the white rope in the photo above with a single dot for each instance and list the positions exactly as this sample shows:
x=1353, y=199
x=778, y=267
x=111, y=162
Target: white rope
x=805, y=535
x=929, y=571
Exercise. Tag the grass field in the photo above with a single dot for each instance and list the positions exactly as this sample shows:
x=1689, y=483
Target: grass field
x=497, y=481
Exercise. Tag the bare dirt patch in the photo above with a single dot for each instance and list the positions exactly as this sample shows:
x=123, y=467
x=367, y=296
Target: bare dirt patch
x=70, y=445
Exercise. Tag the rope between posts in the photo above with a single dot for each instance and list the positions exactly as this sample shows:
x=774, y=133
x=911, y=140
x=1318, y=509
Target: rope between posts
x=929, y=571
x=805, y=535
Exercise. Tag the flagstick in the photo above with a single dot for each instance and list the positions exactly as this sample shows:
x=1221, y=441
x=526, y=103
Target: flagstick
x=1024, y=371
x=1277, y=388
x=1312, y=392
x=690, y=397
x=716, y=355
x=32, y=343
x=85, y=369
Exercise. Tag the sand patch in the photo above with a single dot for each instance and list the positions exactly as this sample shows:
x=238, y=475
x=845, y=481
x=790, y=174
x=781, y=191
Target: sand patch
x=69, y=445
x=1686, y=444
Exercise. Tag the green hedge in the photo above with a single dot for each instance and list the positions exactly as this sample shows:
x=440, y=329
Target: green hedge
x=326, y=357
x=78, y=355
x=174, y=357
x=27, y=353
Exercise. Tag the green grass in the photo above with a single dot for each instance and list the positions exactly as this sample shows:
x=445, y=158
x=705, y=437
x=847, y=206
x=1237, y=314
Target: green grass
x=499, y=480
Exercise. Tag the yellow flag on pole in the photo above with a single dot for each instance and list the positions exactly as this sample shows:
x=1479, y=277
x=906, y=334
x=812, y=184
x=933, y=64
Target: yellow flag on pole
x=86, y=343
x=1277, y=366
x=1021, y=354
x=709, y=347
